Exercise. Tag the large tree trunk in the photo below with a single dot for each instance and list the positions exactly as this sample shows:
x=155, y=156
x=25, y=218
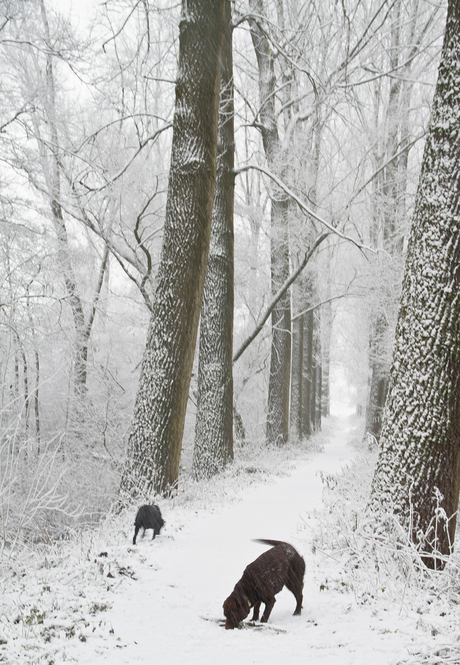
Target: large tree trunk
x=155, y=440
x=418, y=471
x=214, y=422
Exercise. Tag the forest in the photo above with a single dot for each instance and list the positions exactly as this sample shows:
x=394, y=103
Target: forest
x=230, y=286
x=217, y=220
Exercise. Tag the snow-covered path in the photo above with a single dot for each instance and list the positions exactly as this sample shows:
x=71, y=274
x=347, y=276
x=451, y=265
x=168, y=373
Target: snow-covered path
x=167, y=615
x=97, y=600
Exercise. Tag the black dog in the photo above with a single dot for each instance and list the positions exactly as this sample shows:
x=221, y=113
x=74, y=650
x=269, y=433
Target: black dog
x=262, y=580
x=148, y=517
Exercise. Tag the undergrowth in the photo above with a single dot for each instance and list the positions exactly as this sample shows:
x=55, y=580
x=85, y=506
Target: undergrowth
x=57, y=591
x=381, y=565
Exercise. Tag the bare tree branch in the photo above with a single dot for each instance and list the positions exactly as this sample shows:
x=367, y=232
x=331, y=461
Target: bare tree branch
x=291, y=279
x=320, y=304
x=304, y=207
x=122, y=26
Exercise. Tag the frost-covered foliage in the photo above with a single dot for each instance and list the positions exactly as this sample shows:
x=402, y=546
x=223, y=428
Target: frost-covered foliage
x=46, y=490
x=383, y=567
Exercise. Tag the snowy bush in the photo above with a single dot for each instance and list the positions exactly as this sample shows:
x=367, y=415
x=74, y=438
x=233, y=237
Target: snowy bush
x=378, y=563
x=49, y=488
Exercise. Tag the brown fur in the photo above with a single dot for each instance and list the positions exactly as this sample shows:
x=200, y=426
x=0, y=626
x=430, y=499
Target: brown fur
x=262, y=580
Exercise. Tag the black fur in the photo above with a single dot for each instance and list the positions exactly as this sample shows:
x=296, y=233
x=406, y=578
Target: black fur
x=148, y=517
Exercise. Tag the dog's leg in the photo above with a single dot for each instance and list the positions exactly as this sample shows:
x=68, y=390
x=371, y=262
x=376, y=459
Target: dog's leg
x=295, y=585
x=298, y=608
x=255, y=614
x=136, y=531
x=294, y=588
x=269, y=604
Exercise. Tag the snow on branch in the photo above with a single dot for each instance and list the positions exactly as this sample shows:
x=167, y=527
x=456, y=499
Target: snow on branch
x=304, y=207
x=290, y=280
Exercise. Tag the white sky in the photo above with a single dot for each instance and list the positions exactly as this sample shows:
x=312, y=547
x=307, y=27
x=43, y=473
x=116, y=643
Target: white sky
x=78, y=9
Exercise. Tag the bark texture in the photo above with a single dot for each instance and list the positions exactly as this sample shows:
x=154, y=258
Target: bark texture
x=302, y=358
x=155, y=440
x=280, y=360
x=214, y=422
x=417, y=475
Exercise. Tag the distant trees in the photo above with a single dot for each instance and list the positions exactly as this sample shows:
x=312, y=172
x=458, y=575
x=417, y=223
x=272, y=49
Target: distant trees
x=70, y=166
x=391, y=142
x=418, y=471
x=155, y=441
x=79, y=215
x=39, y=117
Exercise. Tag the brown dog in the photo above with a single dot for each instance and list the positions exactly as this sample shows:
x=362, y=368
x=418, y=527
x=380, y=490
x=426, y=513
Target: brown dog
x=262, y=580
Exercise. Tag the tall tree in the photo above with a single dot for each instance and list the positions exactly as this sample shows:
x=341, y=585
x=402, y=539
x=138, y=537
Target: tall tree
x=280, y=361
x=418, y=471
x=155, y=440
x=214, y=421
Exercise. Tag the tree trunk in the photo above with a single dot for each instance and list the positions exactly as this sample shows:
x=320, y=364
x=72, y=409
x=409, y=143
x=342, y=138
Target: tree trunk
x=316, y=376
x=326, y=325
x=307, y=294
x=155, y=441
x=379, y=367
x=214, y=421
x=296, y=376
x=418, y=471
x=307, y=374
x=280, y=360
x=302, y=358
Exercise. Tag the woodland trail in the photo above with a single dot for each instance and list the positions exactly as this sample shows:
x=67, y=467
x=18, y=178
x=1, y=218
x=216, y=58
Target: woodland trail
x=170, y=613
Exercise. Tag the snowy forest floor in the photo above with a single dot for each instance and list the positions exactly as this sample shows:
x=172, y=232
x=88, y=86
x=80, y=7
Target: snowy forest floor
x=98, y=599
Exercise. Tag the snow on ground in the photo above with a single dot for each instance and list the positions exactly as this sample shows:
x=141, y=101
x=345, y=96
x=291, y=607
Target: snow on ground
x=101, y=600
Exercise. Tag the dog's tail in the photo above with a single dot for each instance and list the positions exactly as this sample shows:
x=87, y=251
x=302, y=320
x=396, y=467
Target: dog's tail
x=267, y=541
